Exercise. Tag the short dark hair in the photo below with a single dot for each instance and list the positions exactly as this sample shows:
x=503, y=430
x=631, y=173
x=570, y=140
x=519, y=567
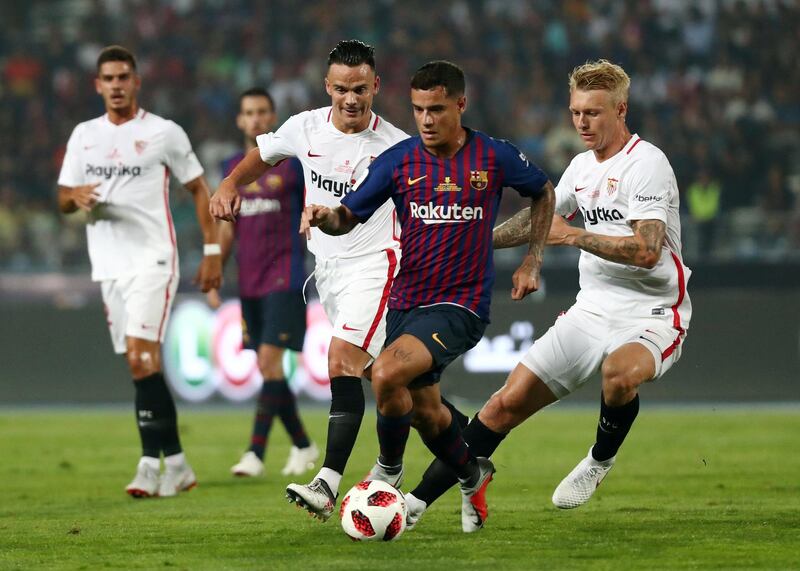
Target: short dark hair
x=116, y=53
x=257, y=92
x=440, y=74
x=352, y=53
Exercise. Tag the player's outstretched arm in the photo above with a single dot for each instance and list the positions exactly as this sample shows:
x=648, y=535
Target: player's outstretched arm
x=72, y=198
x=225, y=203
x=643, y=249
x=526, y=278
x=209, y=275
x=333, y=221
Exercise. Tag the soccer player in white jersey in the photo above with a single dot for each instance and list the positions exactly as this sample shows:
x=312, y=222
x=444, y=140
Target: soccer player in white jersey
x=353, y=272
x=632, y=313
x=116, y=169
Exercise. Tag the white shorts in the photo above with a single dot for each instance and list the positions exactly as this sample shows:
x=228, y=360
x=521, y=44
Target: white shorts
x=138, y=306
x=574, y=348
x=355, y=293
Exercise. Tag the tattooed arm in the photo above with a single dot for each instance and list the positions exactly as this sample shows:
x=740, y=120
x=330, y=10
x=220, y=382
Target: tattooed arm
x=643, y=249
x=516, y=231
x=526, y=278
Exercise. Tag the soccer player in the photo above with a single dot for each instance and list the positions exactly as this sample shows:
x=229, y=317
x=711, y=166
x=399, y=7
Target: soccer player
x=632, y=313
x=270, y=257
x=353, y=272
x=446, y=184
x=116, y=169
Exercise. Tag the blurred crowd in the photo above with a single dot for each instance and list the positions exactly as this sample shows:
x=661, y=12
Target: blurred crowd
x=714, y=84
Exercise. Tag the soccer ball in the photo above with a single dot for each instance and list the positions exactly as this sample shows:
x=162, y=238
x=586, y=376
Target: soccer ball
x=373, y=511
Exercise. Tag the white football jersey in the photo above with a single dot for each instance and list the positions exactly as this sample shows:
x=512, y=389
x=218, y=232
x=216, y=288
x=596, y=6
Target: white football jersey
x=131, y=227
x=332, y=162
x=635, y=184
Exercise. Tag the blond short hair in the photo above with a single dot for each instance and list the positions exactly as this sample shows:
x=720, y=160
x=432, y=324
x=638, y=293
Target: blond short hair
x=603, y=75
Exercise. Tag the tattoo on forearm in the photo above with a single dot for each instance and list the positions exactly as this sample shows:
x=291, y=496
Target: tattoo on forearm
x=635, y=250
x=541, y=218
x=514, y=231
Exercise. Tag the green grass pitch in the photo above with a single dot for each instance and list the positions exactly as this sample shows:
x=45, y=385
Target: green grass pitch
x=697, y=488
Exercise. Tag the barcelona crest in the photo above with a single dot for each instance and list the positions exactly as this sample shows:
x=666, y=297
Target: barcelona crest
x=479, y=180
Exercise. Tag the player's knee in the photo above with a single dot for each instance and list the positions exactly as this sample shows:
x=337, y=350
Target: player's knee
x=384, y=379
x=142, y=364
x=343, y=366
x=270, y=366
x=619, y=379
x=502, y=411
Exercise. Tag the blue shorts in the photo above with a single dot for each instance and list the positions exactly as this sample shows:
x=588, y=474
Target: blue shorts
x=278, y=319
x=446, y=330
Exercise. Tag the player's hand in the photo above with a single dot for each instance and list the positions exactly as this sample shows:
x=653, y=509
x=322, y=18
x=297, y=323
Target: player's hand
x=226, y=202
x=561, y=233
x=209, y=274
x=85, y=197
x=313, y=215
x=526, y=278
x=213, y=299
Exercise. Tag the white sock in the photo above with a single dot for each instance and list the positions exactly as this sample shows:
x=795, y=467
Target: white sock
x=150, y=462
x=175, y=461
x=332, y=478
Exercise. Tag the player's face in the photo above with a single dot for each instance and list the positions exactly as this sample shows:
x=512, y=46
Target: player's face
x=599, y=122
x=256, y=116
x=352, y=90
x=438, y=116
x=118, y=84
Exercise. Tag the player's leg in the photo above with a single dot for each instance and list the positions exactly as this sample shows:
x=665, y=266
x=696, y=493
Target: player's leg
x=272, y=324
x=522, y=395
x=639, y=354
x=148, y=300
x=354, y=296
x=346, y=363
x=557, y=364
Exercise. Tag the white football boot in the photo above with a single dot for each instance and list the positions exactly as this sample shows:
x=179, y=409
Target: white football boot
x=316, y=497
x=416, y=507
x=379, y=472
x=249, y=465
x=579, y=485
x=177, y=479
x=474, y=510
x=145, y=482
x=300, y=460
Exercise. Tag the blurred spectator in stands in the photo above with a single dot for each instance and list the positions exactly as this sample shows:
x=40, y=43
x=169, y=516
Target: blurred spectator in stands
x=703, y=203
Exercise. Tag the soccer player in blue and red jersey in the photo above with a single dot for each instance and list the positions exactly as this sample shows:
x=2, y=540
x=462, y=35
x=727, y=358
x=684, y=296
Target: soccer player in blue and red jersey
x=446, y=185
x=270, y=256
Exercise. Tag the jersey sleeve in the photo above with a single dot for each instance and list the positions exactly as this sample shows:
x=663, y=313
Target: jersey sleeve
x=281, y=144
x=650, y=185
x=518, y=172
x=373, y=188
x=71, y=172
x=179, y=156
x=566, y=201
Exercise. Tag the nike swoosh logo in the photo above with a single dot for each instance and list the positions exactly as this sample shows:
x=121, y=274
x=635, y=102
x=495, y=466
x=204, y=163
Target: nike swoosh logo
x=346, y=328
x=435, y=337
x=413, y=181
x=580, y=189
x=312, y=155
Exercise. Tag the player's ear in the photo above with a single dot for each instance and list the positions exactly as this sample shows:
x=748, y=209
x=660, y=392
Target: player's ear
x=328, y=86
x=97, y=86
x=622, y=109
x=377, y=84
x=240, y=121
x=462, y=103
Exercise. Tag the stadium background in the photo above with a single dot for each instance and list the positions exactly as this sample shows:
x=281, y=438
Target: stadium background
x=714, y=84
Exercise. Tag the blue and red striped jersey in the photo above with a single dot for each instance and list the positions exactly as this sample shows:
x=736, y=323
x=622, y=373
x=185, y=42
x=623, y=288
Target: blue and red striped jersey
x=447, y=210
x=269, y=251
